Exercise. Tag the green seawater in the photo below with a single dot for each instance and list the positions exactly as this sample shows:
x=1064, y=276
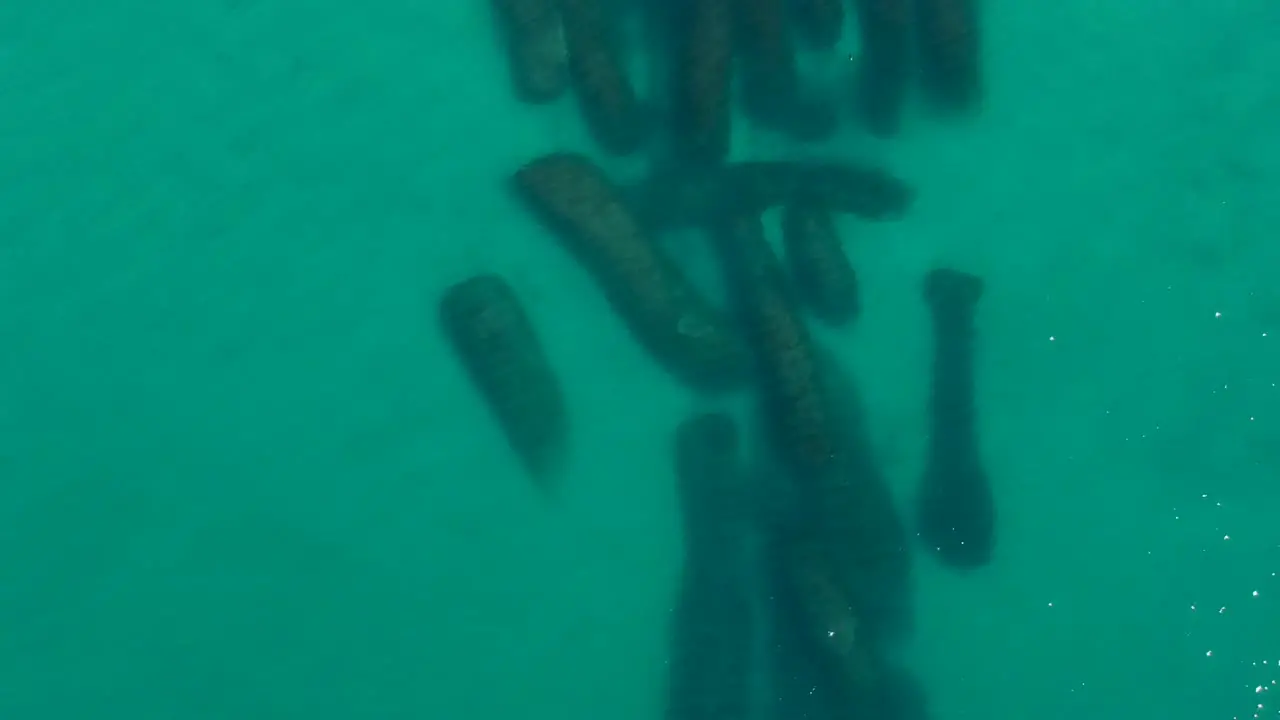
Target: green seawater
x=243, y=476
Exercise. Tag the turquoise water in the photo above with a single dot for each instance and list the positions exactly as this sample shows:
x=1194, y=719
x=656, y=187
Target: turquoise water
x=244, y=477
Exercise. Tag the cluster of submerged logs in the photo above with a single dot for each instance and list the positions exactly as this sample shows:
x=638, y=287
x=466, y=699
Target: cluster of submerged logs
x=707, y=53
x=808, y=595
x=822, y=588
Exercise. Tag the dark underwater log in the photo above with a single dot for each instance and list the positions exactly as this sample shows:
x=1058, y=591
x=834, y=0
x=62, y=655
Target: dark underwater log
x=820, y=21
x=770, y=78
x=884, y=63
x=492, y=335
x=949, y=41
x=798, y=684
x=703, y=32
x=869, y=192
x=714, y=634
x=534, y=40
x=683, y=197
x=899, y=695
x=670, y=317
x=956, y=508
x=606, y=94
x=811, y=418
x=826, y=665
x=827, y=618
x=823, y=275
x=865, y=534
x=794, y=404
x=771, y=87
